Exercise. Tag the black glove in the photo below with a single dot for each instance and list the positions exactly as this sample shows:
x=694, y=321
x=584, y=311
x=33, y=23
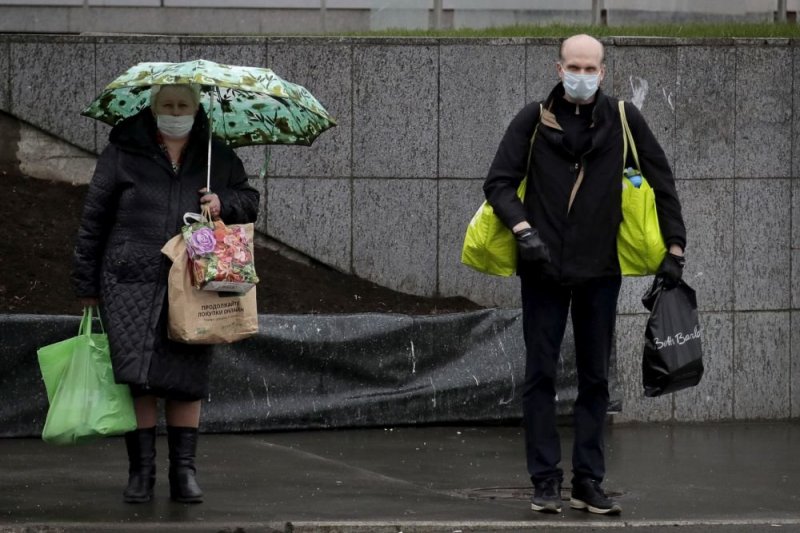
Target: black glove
x=671, y=270
x=530, y=246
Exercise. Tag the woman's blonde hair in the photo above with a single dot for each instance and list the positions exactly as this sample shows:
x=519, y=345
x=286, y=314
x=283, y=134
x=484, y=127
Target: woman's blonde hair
x=193, y=88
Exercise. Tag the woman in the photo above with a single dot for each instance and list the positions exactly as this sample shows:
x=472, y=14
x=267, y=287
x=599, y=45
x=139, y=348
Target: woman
x=152, y=172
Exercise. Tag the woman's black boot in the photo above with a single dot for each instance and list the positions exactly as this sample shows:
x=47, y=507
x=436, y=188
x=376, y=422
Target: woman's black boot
x=141, y=446
x=182, y=448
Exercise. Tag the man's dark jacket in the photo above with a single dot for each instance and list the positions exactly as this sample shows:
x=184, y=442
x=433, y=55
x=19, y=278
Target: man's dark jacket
x=134, y=205
x=582, y=241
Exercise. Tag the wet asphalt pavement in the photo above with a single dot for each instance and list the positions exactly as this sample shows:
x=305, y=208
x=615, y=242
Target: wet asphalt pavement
x=721, y=478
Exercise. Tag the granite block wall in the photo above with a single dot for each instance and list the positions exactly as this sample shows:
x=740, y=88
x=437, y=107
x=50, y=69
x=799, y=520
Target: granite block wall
x=795, y=106
x=387, y=194
x=326, y=71
x=794, y=370
x=294, y=216
x=763, y=108
x=5, y=76
x=52, y=80
x=481, y=88
x=705, y=112
x=395, y=108
x=795, y=258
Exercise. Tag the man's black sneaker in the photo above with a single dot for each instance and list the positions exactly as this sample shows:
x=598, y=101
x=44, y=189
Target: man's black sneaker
x=588, y=495
x=547, y=496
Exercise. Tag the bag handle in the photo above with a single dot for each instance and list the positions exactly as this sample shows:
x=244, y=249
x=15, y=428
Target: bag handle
x=627, y=138
x=524, y=183
x=203, y=217
x=86, y=322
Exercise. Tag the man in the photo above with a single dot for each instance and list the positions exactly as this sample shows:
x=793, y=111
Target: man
x=566, y=230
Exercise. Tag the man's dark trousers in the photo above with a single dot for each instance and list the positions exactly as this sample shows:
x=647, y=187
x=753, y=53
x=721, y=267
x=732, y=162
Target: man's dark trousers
x=545, y=305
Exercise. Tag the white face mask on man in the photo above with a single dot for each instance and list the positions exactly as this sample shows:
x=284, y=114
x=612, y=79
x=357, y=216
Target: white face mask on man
x=580, y=87
x=175, y=127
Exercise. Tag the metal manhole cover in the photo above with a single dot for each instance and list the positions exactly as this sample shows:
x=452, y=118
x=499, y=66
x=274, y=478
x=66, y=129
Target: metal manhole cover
x=518, y=493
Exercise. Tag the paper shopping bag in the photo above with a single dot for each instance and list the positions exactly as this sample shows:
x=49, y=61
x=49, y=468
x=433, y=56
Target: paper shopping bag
x=205, y=317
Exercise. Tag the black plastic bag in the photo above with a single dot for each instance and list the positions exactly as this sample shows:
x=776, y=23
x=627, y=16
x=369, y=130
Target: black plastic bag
x=673, y=355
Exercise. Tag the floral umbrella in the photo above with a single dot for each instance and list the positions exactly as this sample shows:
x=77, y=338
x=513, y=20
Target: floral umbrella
x=247, y=105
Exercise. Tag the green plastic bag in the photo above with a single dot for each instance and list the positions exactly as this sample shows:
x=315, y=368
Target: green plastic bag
x=85, y=402
x=640, y=246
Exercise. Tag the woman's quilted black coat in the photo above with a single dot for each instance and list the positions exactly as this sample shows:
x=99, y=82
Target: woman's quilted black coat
x=134, y=205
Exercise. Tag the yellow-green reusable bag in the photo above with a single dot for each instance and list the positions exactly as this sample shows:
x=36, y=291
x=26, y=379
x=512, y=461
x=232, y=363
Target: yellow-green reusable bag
x=640, y=245
x=489, y=246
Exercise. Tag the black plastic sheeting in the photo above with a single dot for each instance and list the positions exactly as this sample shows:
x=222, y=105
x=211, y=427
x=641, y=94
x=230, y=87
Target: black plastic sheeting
x=324, y=371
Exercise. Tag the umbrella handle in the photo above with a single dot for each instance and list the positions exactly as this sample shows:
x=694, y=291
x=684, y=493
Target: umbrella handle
x=210, y=133
x=208, y=164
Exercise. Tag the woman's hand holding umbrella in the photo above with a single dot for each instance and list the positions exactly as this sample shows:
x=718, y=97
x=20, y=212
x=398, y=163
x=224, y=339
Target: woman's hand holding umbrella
x=210, y=201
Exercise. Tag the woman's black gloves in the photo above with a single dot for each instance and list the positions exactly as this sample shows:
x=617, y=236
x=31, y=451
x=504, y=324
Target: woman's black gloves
x=671, y=269
x=530, y=247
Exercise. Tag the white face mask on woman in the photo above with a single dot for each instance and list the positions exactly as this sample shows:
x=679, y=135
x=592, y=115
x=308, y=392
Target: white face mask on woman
x=175, y=127
x=580, y=87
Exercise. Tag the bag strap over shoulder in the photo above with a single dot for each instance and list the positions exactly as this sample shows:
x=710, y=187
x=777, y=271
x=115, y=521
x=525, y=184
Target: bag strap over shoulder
x=533, y=138
x=523, y=184
x=627, y=137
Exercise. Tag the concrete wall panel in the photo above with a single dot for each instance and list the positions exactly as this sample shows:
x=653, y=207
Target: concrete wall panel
x=250, y=51
x=761, y=365
x=795, y=278
x=708, y=215
x=540, y=71
x=796, y=113
x=761, y=267
x=712, y=398
x=326, y=71
x=763, y=112
x=19, y=19
x=115, y=57
x=481, y=88
x=795, y=365
x=629, y=344
x=395, y=110
x=396, y=247
x=610, y=82
x=796, y=214
x=5, y=76
x=705, y=112
x=64, y=74
x=630, y=294
x=646, y=76
x=313, y=216
x=458, y=201
x=796, y=244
